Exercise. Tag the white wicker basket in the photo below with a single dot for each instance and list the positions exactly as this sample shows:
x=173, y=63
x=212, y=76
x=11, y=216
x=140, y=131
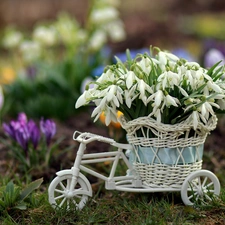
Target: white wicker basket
x=178, y=137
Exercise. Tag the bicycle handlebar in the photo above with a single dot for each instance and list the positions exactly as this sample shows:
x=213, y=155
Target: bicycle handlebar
x=89, y=137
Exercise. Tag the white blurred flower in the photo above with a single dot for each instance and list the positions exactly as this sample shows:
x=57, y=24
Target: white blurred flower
x=30, y=50
x=116, y=31
x=67, y=28
x=12, y=39
x=97, y=40
x=81, y=35
x=46, y=36
x=114, y=3
x=103, y=15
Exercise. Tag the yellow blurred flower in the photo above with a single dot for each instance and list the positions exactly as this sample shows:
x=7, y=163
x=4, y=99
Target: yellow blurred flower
x=112, y=124
x=7, y=75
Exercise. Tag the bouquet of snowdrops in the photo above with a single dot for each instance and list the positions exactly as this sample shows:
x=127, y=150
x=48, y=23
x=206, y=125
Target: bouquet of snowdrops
x=160, y=85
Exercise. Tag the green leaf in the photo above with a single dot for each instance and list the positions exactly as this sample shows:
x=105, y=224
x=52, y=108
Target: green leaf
x=9, y=187
x=210, y=71
x=31, y=187
x=21, y=206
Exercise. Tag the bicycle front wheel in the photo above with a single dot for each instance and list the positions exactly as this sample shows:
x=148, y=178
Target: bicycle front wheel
x=59, y=190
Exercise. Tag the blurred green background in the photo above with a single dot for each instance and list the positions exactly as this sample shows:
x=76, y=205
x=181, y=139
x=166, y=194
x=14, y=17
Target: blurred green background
x=188, y=28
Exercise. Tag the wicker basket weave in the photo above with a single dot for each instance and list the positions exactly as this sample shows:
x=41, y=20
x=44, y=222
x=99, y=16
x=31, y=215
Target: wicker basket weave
x=178, y=137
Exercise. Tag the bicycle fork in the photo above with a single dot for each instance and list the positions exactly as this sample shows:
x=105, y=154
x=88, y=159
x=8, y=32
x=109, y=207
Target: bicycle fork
x=76, y=168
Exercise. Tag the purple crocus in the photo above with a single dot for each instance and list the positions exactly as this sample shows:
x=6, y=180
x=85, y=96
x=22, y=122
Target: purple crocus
x=48, y=128
x=9, y=129
x=22, y=118
x=22, y=131
x=22, y=136
x=34, y=133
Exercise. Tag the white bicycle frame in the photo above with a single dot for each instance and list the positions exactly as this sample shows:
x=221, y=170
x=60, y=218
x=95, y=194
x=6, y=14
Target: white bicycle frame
x=112, y=182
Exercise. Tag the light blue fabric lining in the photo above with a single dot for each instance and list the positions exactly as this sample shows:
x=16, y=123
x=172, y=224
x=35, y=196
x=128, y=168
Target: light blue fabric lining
x=170, y=156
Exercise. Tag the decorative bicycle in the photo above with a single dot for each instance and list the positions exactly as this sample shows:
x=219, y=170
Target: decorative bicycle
x=72, y=187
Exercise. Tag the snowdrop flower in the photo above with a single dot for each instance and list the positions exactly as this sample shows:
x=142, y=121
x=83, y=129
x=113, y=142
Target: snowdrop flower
x=169, y=79
x=167, y=58
x=169, y=100
x=100, y=107
x=153, y=86
x=212, y=86
x=111, y=97
x=143, y=88
x=194, y=117
x=145, y=65
x=158, y=98
x=83, y=99
x=130, y=79
x=130, y=95
x=107, y=76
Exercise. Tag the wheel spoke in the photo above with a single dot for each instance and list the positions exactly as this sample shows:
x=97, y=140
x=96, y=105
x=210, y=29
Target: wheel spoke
x=207, y=197
x=190, y=197
x=199, y=182
x=74, y=202
x=193, y=184
x=59, y=191
x=204, y=182
x=62, y=185
x=60, y=196
x=210, y=184
x=194, y=194
x=62, y=202
x=197, y=197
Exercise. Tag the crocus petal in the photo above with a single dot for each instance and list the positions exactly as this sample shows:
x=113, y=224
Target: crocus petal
x=48, y=128
x=34, y=133
x=1, y=98
x=22, y=117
